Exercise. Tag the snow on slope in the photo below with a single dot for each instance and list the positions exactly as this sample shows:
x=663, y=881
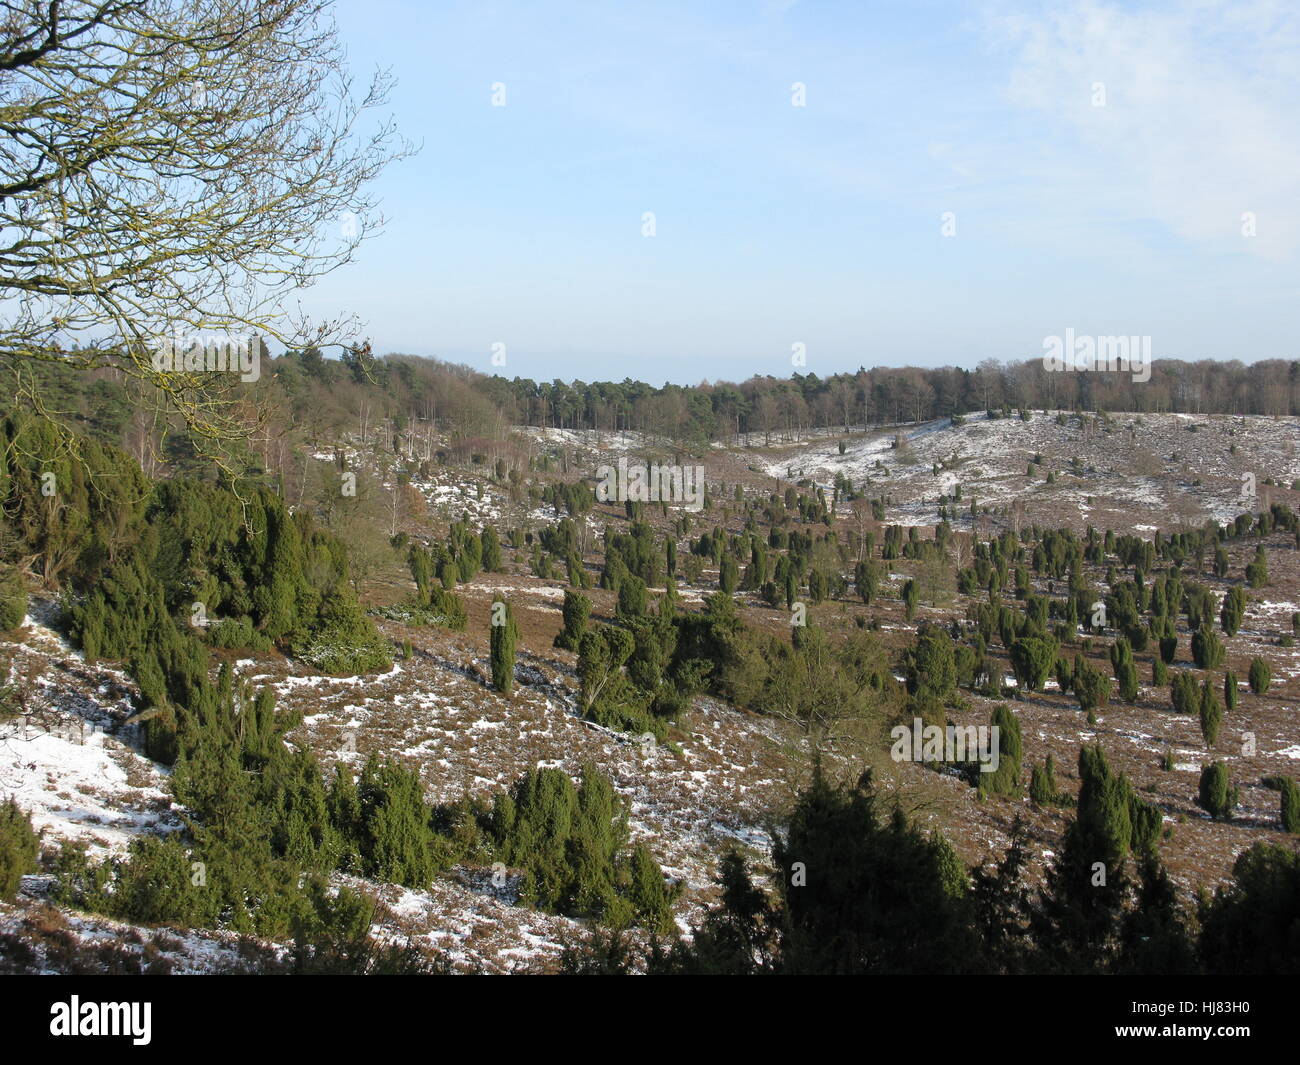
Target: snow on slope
x=1150, y=462
x=70, y=758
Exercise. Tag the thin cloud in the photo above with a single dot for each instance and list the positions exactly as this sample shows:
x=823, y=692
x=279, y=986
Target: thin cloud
x=1200, y=126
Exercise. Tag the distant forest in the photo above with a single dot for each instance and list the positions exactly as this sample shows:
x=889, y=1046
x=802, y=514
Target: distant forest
x=403, y=396
x=885, y=395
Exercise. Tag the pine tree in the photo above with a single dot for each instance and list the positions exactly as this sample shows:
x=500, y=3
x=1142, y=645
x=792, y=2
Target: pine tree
x=13, y=600
x=1290, y=805
x=1042, y=784
x=909, y=599
x=1077, y=920
x=728, y=575
x=394, y=829
x=18, y=849
x=1207, y=648
x=1005, y=779
x=632, y=599
x=1091, y=686
x=1230, y=692
x=1184, y=694
x=503, y=635
x=1257, y=571
x=576, y=612
x=1217, y=795
x=1234, y=609
x=1211, y=714
x=1159, y=672
x=491, y=550
x=1260, y=676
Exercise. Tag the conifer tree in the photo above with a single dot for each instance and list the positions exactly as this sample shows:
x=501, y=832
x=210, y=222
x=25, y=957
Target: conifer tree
x=13, y=599
x=601, y=654
x=576, y=611
x=729, y=575
x=491, y=544
x=1154, y=939
x=1042, y=783
x=1260, y=676
x=818, y=586
x=649, y=894
x=1257, y=570
x=1211, y=714
x=1234, y=609
x=632, y=599
x=1207, y=648
x=1168, y=638
x=344, y=806
x=1032, y=658
x=1159, y=672
x=1230, y=692
x=910, y=595
x=866, y=893
x=1249, y=926
x=866, y=579
x=18, y=848
x=1126, y=675
x=1290, y=814
x=1091, y=685
x=503, y=635
x=394, y=829
x=1184, y=694
x=932, y=668
x=1217, y=795
x=1077, y=920
x=1005, y=779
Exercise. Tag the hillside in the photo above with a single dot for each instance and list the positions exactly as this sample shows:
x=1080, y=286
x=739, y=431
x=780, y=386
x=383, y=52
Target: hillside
x=723, y=774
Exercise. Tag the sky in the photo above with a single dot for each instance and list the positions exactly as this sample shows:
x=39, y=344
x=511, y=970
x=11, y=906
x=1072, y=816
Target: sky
x=657, y=197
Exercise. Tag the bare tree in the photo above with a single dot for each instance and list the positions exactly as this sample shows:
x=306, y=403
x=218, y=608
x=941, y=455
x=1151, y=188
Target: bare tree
x=176, y=167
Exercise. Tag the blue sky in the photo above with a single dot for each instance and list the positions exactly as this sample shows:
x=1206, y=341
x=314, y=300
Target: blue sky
x=822, y=224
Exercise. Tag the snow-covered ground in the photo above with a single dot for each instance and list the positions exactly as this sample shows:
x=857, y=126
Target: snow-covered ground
x=1144, y=463
x=70, y=759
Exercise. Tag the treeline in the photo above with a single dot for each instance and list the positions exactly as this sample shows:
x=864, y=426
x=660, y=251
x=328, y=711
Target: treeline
x=770, y=405
x=395, y=402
